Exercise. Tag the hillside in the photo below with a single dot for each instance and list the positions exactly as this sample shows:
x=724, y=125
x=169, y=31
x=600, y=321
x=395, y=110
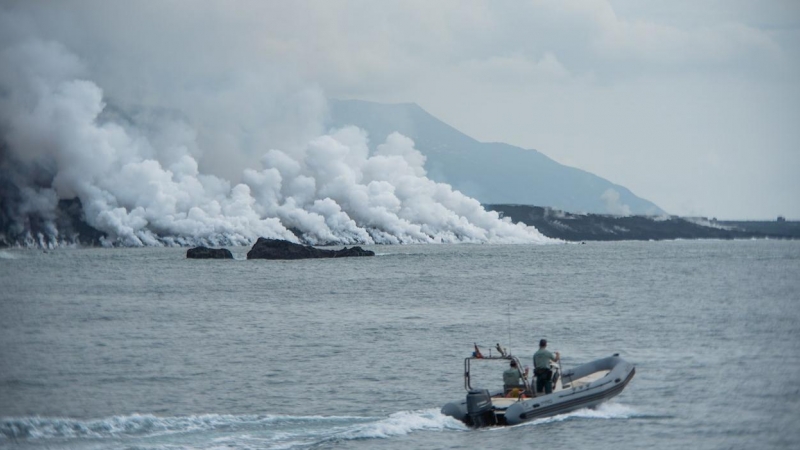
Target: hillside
x=490, y=172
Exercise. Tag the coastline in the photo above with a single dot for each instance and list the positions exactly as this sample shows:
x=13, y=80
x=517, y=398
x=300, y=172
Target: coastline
x=598, y=227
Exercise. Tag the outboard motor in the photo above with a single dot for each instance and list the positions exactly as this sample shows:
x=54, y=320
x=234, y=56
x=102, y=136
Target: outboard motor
x=479, y=408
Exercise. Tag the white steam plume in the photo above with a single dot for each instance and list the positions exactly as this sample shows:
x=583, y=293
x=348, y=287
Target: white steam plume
x=613, y=204
x=141, y=184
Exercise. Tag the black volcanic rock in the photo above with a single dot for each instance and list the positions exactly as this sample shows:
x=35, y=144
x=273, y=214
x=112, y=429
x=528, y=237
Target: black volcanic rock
x=25, y=227
x=280, y=249
x=596, y=227
x=209, y=253
x=352, y=251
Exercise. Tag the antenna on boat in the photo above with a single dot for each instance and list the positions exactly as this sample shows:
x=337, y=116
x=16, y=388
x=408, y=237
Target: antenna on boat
x=509, y=324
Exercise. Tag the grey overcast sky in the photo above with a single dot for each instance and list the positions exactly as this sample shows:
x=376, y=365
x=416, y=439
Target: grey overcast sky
x=694, y=105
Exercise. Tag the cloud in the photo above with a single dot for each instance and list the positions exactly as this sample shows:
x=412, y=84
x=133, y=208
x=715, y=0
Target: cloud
x=664, y=45
x=224, y=83
x=641, y=39
x=516, y=69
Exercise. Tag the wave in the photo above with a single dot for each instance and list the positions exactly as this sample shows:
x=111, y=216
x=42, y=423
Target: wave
x=213, y=430
x=136, y=424
x=603, y=411
x=261, y=431
x=402, y=423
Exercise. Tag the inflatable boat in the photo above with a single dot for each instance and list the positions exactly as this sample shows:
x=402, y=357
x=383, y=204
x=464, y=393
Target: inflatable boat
x=584, y=386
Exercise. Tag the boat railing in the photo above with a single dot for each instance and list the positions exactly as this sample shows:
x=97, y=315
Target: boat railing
x=507, y=357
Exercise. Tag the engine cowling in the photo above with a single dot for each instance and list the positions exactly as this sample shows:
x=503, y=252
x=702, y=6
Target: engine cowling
x=480, y=409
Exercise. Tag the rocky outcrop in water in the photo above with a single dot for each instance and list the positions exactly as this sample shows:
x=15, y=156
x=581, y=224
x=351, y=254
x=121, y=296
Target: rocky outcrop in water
x=279, y=249
x=209, y=253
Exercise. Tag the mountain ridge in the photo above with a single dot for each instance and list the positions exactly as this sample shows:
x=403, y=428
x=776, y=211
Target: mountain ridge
x=491, y=172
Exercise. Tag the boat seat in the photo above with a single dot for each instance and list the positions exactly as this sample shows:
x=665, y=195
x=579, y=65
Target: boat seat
x=583, y=381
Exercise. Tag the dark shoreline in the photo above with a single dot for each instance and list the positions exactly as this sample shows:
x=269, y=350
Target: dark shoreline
x=597, y=227
x=550, y=222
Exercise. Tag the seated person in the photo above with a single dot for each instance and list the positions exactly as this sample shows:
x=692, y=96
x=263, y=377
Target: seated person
x=512, y=378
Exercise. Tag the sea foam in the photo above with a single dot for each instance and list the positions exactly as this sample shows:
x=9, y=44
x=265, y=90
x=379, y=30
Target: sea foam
x=273, y=431
x=603, y=411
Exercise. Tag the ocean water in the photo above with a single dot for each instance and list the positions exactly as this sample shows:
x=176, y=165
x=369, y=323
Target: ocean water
x=144, y=349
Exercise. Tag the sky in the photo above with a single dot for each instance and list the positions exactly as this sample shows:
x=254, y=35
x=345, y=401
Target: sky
x=692, y=105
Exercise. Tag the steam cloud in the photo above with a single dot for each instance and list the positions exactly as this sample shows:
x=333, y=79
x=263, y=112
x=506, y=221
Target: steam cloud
x=613, y=204
x=138, y=178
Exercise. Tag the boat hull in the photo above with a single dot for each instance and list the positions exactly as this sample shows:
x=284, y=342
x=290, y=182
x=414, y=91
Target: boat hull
x=574, y=395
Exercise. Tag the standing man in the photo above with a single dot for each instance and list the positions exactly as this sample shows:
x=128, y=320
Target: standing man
x=541, y=368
